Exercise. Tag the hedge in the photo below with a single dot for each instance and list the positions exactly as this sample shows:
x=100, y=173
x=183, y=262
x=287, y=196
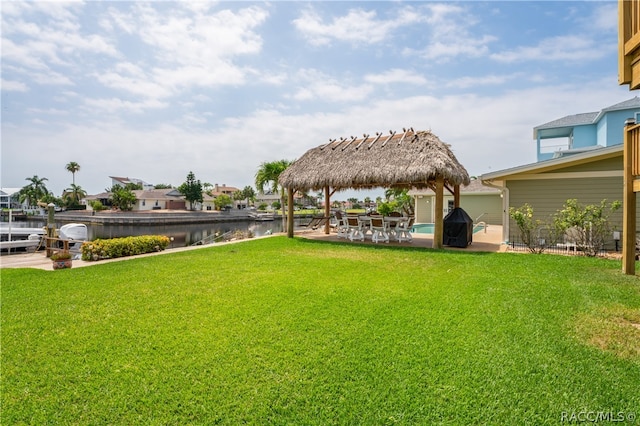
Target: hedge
x=121, y=247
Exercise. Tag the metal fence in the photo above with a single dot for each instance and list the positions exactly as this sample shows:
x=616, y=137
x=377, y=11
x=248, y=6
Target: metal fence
x=545, y=245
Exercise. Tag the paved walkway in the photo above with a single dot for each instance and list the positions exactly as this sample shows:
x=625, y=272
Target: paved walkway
x=489, y=241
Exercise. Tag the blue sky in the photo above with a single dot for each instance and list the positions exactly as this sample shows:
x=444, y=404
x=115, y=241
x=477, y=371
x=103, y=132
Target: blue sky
x=153, y=90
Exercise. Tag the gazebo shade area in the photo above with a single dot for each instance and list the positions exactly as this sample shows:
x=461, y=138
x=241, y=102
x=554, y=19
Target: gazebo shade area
x=408, y=159
x=397, y=160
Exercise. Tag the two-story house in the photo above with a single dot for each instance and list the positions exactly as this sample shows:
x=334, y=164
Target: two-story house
x=579, y=156
x=584, y=132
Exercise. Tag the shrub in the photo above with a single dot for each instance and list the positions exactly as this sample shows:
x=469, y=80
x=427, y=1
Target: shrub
x=529, y=228
x=61, y=255
x=587, y=226
x=97, y=205
x=120, y=247
x=385, y=208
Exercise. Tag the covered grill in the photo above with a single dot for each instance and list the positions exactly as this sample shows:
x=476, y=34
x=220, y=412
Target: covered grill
x=458, y=228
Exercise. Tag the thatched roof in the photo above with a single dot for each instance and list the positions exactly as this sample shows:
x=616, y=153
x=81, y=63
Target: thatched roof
x=412, y=159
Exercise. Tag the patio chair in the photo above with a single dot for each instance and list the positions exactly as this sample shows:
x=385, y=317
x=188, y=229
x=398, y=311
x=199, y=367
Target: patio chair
x=393, y=224
x=379, y=229
x=403, y=230
x=341, y=226
x=365, y=224
x=354, y=227
x=316, y=222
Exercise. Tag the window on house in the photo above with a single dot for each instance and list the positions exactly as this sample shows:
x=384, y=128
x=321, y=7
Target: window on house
x=143, y=202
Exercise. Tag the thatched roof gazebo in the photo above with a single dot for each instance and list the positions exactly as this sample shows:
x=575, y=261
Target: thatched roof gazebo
x=411, y=159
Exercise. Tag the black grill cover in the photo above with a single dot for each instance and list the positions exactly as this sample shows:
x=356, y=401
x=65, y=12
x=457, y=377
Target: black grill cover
x=458, y=229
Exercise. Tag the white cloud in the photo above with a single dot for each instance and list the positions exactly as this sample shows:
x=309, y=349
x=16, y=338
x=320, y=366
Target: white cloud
x=449, y=30
x=118, y=106
x=191, y=47
x=603, y=18
x=14, y=86
x=358, y=26
x=315, y=85
x=561, y=48
x=44, y=49
x=133, y=83
x=486, y=80
x=396, y=75
x=199, y=39
x=49, y=111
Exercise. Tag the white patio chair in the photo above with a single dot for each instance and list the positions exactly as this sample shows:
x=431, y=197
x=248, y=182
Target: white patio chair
x=393, y=219
x=341, y=225
x=365, y=224
x=379, y=229
x=403, y=230
x=354, y=227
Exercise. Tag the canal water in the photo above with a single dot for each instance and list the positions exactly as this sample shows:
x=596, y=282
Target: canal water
x=183, y=235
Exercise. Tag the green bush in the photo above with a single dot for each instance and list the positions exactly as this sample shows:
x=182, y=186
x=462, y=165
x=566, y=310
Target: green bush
x=121, y=247
x=528, y=227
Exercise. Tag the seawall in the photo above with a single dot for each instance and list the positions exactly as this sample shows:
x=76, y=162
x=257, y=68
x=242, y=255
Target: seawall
x=156, y=217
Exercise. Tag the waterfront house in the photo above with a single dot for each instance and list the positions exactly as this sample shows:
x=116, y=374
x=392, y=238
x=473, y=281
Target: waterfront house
x=159, y=199
x=153, y=199
x=579, y=156
x=9, y=198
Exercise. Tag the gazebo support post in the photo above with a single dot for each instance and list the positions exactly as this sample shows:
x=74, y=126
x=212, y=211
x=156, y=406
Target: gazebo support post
x=289, y=212
x=438, y=229
x=327, y=210
x=456, y=196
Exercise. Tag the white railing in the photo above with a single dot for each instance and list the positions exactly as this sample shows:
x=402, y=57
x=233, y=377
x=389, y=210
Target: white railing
x=483, y=224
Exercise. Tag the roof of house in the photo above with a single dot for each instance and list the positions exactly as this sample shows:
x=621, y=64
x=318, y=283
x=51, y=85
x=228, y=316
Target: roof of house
x=475, y=187
x=399, y=160
x=555, y=163
x=9, y=191
x=127, y=180
x=587, y=117
x=223, y=189
x=157, y=194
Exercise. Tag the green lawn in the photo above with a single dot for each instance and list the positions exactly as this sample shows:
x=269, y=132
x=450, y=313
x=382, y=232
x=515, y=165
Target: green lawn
x=292, y=331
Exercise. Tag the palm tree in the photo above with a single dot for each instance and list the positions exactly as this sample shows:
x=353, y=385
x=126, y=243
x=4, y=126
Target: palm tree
x=73, y=167
x=268, y=174
x=74, y=194
x=33, y=192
